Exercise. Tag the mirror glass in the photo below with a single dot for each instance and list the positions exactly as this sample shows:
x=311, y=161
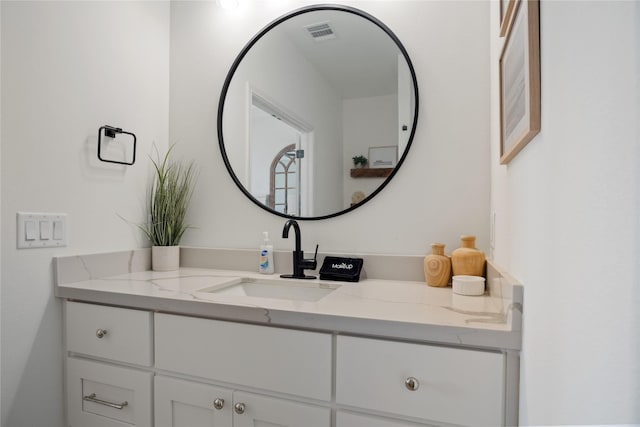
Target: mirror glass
x=311, y=91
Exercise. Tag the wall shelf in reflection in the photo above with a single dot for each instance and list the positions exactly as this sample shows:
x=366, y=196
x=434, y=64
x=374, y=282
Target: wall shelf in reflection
x=371, y=172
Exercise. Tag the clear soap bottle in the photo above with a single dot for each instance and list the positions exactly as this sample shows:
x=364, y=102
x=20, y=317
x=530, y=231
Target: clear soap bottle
x=266, y=255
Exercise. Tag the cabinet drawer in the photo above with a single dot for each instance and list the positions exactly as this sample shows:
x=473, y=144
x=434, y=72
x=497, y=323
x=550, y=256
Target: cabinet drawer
x=109, y=332
x=103, y=395
x=452, y=385
x=286, y=361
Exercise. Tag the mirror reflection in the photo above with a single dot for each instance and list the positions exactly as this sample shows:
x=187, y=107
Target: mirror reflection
x=313, y=90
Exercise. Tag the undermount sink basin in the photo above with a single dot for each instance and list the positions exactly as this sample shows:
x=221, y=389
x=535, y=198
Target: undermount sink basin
x=287, y=289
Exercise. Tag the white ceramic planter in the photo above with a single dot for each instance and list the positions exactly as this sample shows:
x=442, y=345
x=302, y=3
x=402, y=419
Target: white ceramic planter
x=165, y=258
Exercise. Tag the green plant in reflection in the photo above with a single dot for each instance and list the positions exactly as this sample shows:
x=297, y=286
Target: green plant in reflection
x=360, y=161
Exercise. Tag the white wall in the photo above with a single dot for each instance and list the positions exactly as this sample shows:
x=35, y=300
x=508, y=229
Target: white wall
x=441, y=192
x=67, y=69
x=361, y=132
x=567, y=211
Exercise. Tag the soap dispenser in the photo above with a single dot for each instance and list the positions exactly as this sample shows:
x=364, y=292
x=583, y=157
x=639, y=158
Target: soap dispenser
x=266, y=255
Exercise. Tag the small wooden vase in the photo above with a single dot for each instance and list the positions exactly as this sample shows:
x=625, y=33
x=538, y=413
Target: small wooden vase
x=467, y=260
x=437, y=266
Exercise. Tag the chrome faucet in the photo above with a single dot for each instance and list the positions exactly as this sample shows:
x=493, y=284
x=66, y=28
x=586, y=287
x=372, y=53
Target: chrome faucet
x=300, y=264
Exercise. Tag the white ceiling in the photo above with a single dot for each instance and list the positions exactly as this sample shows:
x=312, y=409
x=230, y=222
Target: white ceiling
x=362, y=59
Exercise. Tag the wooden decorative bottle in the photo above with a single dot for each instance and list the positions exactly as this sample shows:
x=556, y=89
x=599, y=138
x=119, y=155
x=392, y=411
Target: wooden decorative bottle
x=467, y=260
x=437, y=266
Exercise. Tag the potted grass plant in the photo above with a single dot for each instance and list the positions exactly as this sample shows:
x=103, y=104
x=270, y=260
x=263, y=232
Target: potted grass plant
x=168, y=200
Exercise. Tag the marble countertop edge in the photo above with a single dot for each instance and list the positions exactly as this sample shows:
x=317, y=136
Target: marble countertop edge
x=341, y=324
x=376, y=307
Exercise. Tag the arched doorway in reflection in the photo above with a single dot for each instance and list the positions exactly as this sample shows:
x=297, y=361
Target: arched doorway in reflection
x=284, y=174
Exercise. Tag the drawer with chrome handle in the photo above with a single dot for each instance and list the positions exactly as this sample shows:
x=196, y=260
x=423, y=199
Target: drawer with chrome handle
x=92, y=398
x=104, y=394
x=113, y=333
x=422, y=381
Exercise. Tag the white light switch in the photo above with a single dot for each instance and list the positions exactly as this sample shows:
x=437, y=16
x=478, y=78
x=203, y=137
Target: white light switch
x=58, y=229
x=30, y=230
x=41, y=230
x=45, y=230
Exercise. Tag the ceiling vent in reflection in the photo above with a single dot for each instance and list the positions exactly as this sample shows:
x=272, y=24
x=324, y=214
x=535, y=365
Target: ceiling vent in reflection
x=321, y=31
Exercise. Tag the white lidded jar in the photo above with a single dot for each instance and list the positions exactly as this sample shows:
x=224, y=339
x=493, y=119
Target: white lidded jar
x=266, y=255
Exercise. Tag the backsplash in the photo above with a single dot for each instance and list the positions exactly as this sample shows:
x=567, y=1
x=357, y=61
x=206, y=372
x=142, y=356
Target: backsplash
x=384, y=267
x=70, y=269
x=86, y=267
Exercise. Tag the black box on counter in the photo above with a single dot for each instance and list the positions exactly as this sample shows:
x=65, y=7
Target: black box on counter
x=341, y=269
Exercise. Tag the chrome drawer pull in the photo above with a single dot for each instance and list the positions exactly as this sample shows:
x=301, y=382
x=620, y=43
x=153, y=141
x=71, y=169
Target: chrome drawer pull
x=101, y=332
x=92, y=398
x=218, y=403
x=412, y=384
x=239, y=408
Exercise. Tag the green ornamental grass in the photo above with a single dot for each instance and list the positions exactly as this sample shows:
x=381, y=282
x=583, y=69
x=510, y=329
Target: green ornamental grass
x=169, y=196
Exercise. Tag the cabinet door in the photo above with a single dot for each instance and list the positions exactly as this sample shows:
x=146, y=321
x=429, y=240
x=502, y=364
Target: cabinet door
x=180, y=403
x=349, y=419
x=252, y=410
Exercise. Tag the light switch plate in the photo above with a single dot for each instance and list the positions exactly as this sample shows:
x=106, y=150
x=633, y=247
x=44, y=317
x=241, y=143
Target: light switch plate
x=41, y=230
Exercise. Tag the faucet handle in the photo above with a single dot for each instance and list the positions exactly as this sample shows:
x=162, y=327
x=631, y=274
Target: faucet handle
x=311, y=263
x=314, y=261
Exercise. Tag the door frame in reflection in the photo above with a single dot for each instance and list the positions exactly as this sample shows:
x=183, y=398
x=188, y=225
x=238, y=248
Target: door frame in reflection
x=304, y=145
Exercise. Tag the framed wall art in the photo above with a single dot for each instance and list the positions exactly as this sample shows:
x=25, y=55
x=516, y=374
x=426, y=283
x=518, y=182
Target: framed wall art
x=506, y=14
x=383, y=157
x=520, y=81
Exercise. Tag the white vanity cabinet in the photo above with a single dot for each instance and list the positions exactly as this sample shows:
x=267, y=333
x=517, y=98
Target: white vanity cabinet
x=105, y=392
x=130, y=367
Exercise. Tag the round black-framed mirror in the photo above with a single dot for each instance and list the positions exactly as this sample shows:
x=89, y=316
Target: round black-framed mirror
x=312, y=90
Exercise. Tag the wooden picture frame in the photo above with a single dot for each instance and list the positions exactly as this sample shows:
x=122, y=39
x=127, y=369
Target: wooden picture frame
x=506, y=15
x=520, y=81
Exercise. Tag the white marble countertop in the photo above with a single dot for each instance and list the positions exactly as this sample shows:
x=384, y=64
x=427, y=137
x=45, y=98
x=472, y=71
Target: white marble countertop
x=407, y=310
